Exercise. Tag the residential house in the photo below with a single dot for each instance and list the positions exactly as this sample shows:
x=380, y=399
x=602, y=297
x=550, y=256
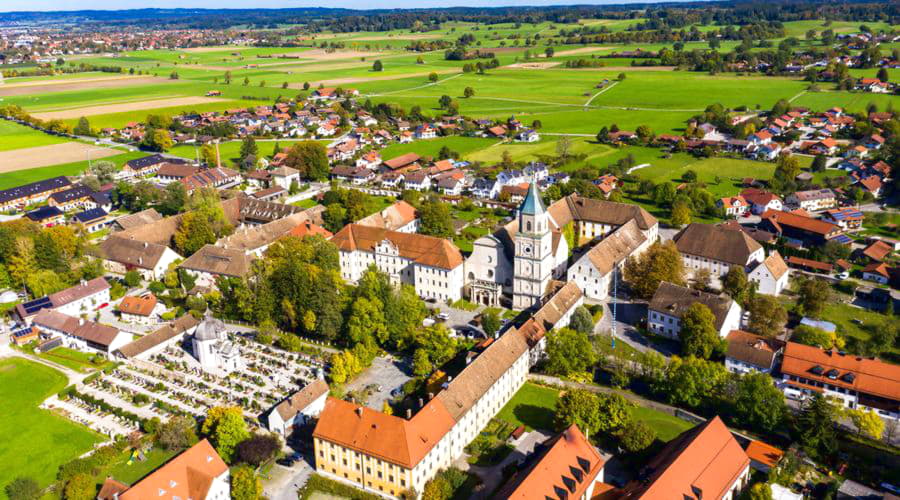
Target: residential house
x=848, y=219
x=798, y=229
x=528, y=135
x=354, y=175
x=92, y=220
x=771, y=275
x=82, y=298
x=401, y=217
x=35, y=192
x=761, y=200
x=671, y=301
x=298, y=408
x=748, y=352
x=285, y=177
x=212, y=262
x=138, y=309
x=120, y=255
x=417, y=181
x=813, y=200
x=877, y=272
x=198, y=473
x=734, y=206
x=46, y=215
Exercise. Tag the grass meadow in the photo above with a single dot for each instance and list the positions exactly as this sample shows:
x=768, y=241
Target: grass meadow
x=35, y=442
x=15, y=136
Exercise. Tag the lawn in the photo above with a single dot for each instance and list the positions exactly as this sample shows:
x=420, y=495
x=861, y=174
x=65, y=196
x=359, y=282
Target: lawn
x=667, y=426
x=856, y=323
x=35, y=442
x=15, y=136
x=533, y=406
x=74, y=360
x=129, y=474
x=19, y=177
x=430, y=147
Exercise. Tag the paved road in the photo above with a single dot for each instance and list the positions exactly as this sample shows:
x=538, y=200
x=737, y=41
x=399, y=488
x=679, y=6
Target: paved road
x=386, y=373
x=285, y=481
x=492, y=475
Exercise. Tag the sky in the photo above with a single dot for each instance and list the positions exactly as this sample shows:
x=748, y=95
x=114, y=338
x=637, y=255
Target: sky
x=45, y=5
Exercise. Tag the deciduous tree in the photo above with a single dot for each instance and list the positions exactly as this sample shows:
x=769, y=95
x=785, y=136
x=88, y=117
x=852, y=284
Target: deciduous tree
x=568, y=352
x=225, y=427
x=661, y=262
x=758, y=403
x=636, y=436
x=767, y=316
x=245, y=485
x=698, y=333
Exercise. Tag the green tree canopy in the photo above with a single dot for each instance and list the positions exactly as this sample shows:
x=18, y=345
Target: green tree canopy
x=568, y=352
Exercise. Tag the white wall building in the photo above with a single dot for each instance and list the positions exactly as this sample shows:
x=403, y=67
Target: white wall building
x=671, y=301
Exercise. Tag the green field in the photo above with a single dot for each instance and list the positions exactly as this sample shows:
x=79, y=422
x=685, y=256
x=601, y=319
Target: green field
x=19, y=177
x=15, y=136
x=35, y=442
x=430, y=147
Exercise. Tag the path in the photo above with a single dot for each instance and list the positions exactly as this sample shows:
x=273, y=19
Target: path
x=431, y=84
x=792, y=99
x=74, y=377
x=588, y=103
x=492, y=475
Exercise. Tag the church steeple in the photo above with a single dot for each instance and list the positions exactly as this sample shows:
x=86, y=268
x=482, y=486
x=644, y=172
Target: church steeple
x=532, y=204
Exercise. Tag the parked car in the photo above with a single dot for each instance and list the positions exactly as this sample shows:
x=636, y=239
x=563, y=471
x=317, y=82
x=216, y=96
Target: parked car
x=443, y=316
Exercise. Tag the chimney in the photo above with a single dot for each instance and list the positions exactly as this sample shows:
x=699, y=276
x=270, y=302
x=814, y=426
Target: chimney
x=421, y=403
x=80, y=321
x=408, y=413
x=359, y=411
x=430, y=396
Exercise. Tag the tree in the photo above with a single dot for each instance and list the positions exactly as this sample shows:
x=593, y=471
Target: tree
x=760, y=491
x=805, y=334
x=664, y=193
x=421, y=364
x=468, y=92
x=661, y=262
x=244, y=484
x=767, y=316
x=563, y=146
x=698, y=333
x=615, y=412
x=44, y=282
x=435, y=219
x=568, y=352
x=815, y=426
x=812, y=295
x=579, y=407
x=21, y=264
x=158, y=140
x=23, y=488
x=867, y=422
x=758, y=403
x=194, y=232
x=83, y=127
x=310, y=158
x=636, y=436
x=490, y=322
x=781, y=107
x=258, y=449
x=549, y=52
x=702, y=279
x=80, y=487
x=736, y=285
x=225, y=427
x=377, y=66
x=208, y=154
x=883, y=75
x=644, y=133
x=177, y=433
x=582, y=321
x=819, y=163
x=681, y=214
x=691, y=381
x=432, y=77
x=248, y=148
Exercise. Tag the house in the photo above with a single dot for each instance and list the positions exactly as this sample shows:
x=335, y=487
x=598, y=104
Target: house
x=566, y=462
x=434, y=266
x=285, y=177
x=354, y=175
x=400, y=216
x=761, y=200
x=78, y=196
x=173, y=172
x=120, y=255
x=198, y=473
x=765, y=457
x=878, y=250
x=528, y=135
x=82, y=298
x=486, y=188
x=425, y=131
x=716, y=249
x=138, y=310
x=370, y=160
x=211, y=262
x=873, y=184
x=450, y=185
x=136, y=219
x=298, y=408
x=46, y=215
x=797, y=229
x=771, y=275
x=877, y=272
x=402, y=161
x=170, y=334
x=856, y=381
x=671, y=301
x=392, y=179
x=848, y=219
x=92, y=220
x=734, y=206
x=751, y=353
x=417, y=181
x=79, y=333
x=813, y=200
x=593, y=271
x=760, y=138
x=270, y=194
x=703, y=462
x=35, y=192
x=218, y=177
x=143, y=167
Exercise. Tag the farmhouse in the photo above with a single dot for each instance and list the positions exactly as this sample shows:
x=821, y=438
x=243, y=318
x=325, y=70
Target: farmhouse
x=138, y=310
x=121, y=255
x=197, y=473
x=814, y=200
x=717, y=249
x=748, y=352
x=82, y=298
x=671, y=301
x=298, y=408
x=79, y=333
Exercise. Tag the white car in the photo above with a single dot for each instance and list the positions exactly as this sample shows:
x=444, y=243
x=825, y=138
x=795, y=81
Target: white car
x=443, y=316
x=844, y=275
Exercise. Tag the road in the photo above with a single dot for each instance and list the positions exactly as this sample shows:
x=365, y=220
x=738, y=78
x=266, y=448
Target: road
x=285, y=481
x=385, y=375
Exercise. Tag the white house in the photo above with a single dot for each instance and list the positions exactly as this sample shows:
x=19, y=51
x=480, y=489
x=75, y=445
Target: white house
x=593, y=272
x=671, y=301
x=771, y=275
x=298, y=408
x=285, y=176
x=734, y=206
x=751, y=353
x=528, y=136
x=198, y=473
x=79, y=333
x=151, y=260
x=717, y=248
x=82, y=298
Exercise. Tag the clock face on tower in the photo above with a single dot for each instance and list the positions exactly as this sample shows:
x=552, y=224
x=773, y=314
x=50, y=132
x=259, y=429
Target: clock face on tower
x=526, y=249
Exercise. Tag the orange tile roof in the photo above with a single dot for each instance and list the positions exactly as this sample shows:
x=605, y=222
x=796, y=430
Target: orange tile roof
x=388, y=437
x=764, y=453
x=706, y=458
x=878, y=250
x=425, y=250
x=140, y=306
x=870, y=375
x=779, y=218
x=570, y=463
x=309, y=229
x=189, y=475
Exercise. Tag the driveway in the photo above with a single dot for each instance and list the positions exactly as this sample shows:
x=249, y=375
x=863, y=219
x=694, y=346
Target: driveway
x=386, y=373
x=492, y=475
x=284, y=482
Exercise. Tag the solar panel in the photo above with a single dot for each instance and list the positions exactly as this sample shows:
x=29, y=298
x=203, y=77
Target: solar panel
x=36, y=305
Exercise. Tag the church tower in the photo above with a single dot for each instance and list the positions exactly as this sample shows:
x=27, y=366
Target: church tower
x=533, y=264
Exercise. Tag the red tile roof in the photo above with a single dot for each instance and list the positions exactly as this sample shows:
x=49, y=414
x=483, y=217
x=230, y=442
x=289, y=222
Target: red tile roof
x=870, y=375
x=189, y=475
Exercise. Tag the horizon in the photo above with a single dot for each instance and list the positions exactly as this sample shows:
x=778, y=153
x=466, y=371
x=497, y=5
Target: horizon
x=62, y=6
